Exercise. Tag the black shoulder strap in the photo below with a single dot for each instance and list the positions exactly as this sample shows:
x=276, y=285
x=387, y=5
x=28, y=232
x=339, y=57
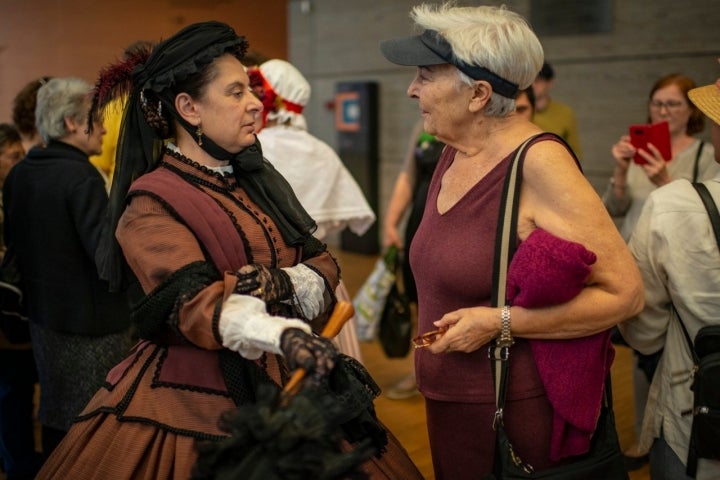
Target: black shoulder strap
x=568, y=147
x=504, y=249
x=711, y=209
x=505, y=245
x=687, y=335
x=696, y=166
x=506, y=232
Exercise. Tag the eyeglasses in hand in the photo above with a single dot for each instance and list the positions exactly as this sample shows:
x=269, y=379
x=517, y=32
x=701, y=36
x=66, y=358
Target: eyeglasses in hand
x=428, y=338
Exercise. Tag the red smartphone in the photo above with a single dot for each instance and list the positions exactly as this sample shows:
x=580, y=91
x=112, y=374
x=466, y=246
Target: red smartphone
x=657, y=133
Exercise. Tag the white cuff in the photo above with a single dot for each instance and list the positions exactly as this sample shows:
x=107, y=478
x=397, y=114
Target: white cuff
x=246, y=327
x=309, y=290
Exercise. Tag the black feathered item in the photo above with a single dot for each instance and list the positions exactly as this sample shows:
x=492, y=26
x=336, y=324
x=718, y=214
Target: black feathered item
x=299, y=441
x=325, y=430
x=114, y=81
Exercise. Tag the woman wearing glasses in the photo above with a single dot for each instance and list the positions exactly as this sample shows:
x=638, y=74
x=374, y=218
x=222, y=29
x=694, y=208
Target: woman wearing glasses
x=631, y=184
x=691, y=159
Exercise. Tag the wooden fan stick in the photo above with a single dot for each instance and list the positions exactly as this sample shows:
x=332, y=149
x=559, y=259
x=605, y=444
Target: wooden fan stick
x=342, y=312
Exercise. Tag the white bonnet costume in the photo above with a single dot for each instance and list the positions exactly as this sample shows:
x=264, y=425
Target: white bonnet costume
x=318, y=176
x=294, y=90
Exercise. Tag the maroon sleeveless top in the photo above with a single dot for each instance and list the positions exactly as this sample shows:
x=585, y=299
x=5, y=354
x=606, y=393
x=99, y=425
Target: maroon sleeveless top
x=452, y=260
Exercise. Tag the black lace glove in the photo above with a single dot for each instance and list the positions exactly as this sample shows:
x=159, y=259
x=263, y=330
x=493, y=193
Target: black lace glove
x=271, y=285
x=315, y=354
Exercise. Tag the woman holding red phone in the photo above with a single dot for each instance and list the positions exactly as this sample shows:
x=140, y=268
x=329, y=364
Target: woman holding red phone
x=632, y=182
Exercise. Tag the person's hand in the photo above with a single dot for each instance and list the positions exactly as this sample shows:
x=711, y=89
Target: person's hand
x=391, y=237
x=467, y=329
x=656, y=166
x=270, y=285
x=623, y=153
x=302, y=350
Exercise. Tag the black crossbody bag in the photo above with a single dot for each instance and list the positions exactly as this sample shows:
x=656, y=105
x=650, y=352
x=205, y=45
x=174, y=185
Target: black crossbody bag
x=604, y=459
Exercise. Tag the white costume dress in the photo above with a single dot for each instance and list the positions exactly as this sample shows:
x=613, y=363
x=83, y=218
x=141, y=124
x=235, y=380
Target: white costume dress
x=318, y=176
x=324, y=186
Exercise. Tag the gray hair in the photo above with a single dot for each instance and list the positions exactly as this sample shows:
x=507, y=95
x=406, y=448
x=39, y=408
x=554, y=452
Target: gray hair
x=58, y=99
x=491, y=37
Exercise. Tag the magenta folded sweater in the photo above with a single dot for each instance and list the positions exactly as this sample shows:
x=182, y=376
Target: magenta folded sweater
x=547, y=270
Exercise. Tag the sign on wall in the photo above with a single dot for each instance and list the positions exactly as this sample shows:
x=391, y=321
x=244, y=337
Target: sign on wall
x=347, y=111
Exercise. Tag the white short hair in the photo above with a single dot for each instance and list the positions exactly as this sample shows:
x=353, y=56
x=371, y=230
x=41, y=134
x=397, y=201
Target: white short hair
x=491, y=37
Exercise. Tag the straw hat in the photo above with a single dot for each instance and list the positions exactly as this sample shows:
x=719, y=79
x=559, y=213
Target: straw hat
x=707, y=99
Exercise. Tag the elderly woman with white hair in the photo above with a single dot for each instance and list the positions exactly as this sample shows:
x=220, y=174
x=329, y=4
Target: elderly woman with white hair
x=55, y=203
x=471, y=63
x=336, y=202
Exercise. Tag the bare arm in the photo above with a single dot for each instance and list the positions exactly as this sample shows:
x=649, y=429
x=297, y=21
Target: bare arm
x=402, y=193
x=401, y=197
x=614, y=289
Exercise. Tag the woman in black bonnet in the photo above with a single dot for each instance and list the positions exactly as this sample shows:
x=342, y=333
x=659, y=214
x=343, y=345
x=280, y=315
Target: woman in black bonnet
x=232, y=284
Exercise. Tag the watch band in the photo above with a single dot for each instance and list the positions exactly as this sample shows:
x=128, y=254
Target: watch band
x=505, y=339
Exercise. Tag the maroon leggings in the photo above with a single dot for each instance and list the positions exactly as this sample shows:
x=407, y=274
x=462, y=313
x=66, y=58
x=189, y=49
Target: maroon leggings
x=462, y=440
